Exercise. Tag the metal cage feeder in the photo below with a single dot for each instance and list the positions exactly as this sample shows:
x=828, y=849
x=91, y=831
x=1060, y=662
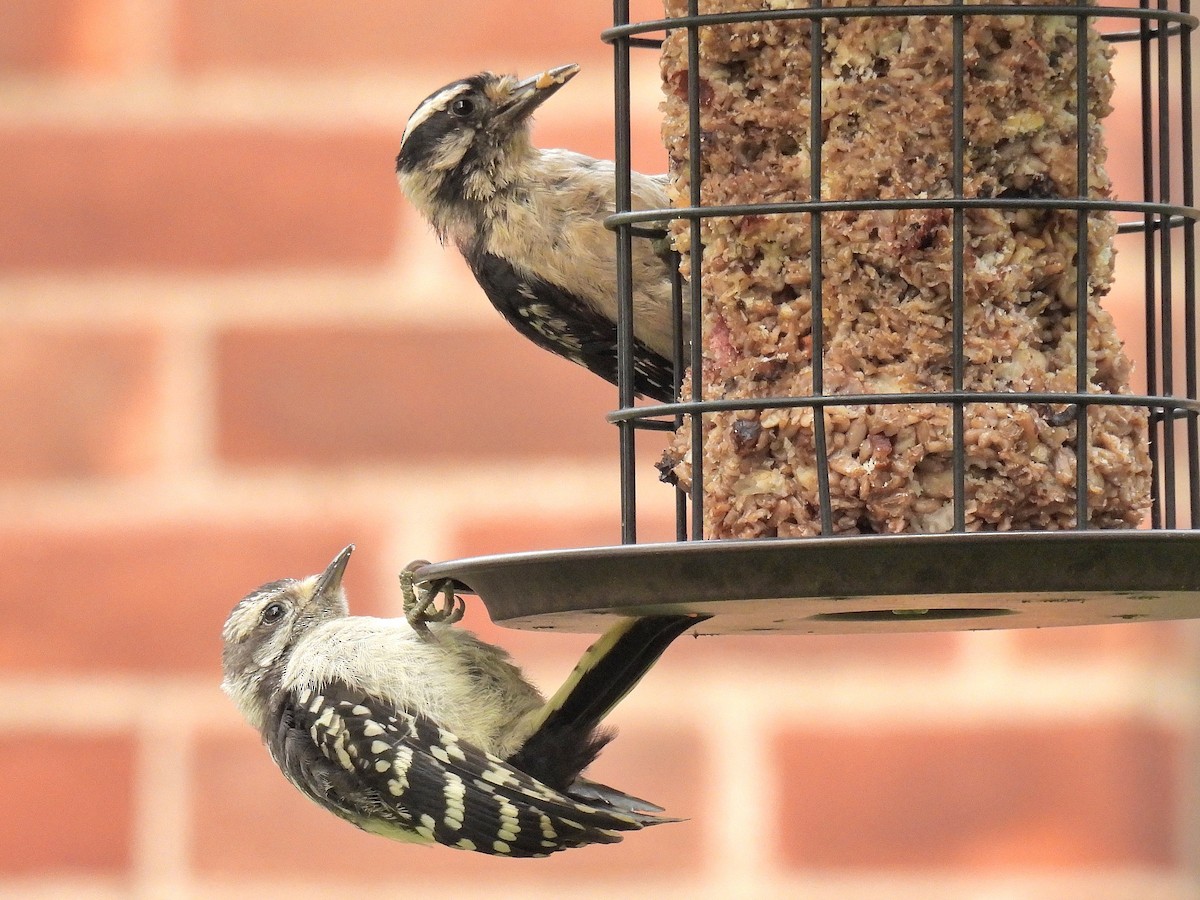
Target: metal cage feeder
x=955, y=580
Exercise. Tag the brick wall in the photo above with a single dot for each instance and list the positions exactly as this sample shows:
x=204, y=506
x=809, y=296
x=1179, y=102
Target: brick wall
x=227, y=351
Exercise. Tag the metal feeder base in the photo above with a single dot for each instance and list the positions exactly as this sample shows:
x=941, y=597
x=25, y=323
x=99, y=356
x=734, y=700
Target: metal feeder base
x=848, y=584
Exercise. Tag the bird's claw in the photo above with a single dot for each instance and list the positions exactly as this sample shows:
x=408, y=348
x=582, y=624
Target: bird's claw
x=662, y=247
x=420, y=607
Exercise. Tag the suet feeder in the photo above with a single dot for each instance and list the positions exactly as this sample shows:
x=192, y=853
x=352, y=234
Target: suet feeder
x=839, y=485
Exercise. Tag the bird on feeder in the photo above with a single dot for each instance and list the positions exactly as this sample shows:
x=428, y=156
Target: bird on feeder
x=418, y=731
x=529, y=223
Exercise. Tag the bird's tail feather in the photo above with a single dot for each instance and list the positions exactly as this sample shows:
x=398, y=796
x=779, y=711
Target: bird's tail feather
x=565, y=734
x=609, y=670
x=596, y=794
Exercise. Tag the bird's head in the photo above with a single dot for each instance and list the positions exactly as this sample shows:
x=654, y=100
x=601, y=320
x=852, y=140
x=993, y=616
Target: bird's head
x=466, y=142
x=264, y=627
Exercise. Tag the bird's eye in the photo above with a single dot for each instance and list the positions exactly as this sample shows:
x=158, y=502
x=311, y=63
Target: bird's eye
x=273, y=613
x=462, y=107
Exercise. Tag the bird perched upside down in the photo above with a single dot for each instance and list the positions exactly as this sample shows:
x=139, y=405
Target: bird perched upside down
x=430, y=735
x=529, y=223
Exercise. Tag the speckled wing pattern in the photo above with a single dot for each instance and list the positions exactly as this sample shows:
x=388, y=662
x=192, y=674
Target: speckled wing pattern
x=407, y=778
x=560, y=322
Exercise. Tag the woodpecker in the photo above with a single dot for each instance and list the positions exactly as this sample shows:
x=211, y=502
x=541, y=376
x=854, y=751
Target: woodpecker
x=430, y=735
x=529, y=223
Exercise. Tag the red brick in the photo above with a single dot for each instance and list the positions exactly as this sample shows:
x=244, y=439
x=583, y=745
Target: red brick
x=477, y=535
x=480, y=536
x=153, y=599
x=1126, y=304
x=403, y=35
x=388, y=394
x=70, y=804
x=55, y=36
x=103, y=388
x=809, y=655
x=1043, y=796
x=195, y=200
x=1148, y=641
x=1123, y=127
x=250, y=822
x=596, y=136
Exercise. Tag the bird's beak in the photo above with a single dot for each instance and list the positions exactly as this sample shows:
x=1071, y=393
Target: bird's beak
x=330, y=581
x=531, y=93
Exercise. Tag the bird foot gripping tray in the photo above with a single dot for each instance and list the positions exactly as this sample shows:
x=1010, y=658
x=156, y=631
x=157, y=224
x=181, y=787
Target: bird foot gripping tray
x=910, y=463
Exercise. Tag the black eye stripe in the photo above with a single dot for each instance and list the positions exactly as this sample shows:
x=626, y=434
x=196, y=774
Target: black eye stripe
x=436, y=120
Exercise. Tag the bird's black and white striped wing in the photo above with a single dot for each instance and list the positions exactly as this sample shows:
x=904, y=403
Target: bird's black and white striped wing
x=402, y=775
x=557, y=321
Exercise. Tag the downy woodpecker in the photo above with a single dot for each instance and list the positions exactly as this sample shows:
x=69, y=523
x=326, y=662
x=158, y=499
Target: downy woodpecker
x=431, y=735
x=529, y=223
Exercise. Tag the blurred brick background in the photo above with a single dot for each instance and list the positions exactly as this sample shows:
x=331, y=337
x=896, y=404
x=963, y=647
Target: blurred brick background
x=229, y=348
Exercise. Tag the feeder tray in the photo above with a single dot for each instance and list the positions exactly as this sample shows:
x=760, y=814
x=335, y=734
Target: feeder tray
x=842, y=585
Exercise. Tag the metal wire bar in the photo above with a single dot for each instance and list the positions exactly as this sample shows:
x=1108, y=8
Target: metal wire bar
x=646, y=420
x=695, y=283
x=624, y=203
x=958, y=245
x=1112, y=37
x=1186, y=20
x=678, y=362
x=816, y=46
x=1190, y=336
x=1150, y=284
x=1092, y=204
x=1082, y=293
x=1134, y=227
x=1121, y=37
x=1166, y=292
x=940, y=398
